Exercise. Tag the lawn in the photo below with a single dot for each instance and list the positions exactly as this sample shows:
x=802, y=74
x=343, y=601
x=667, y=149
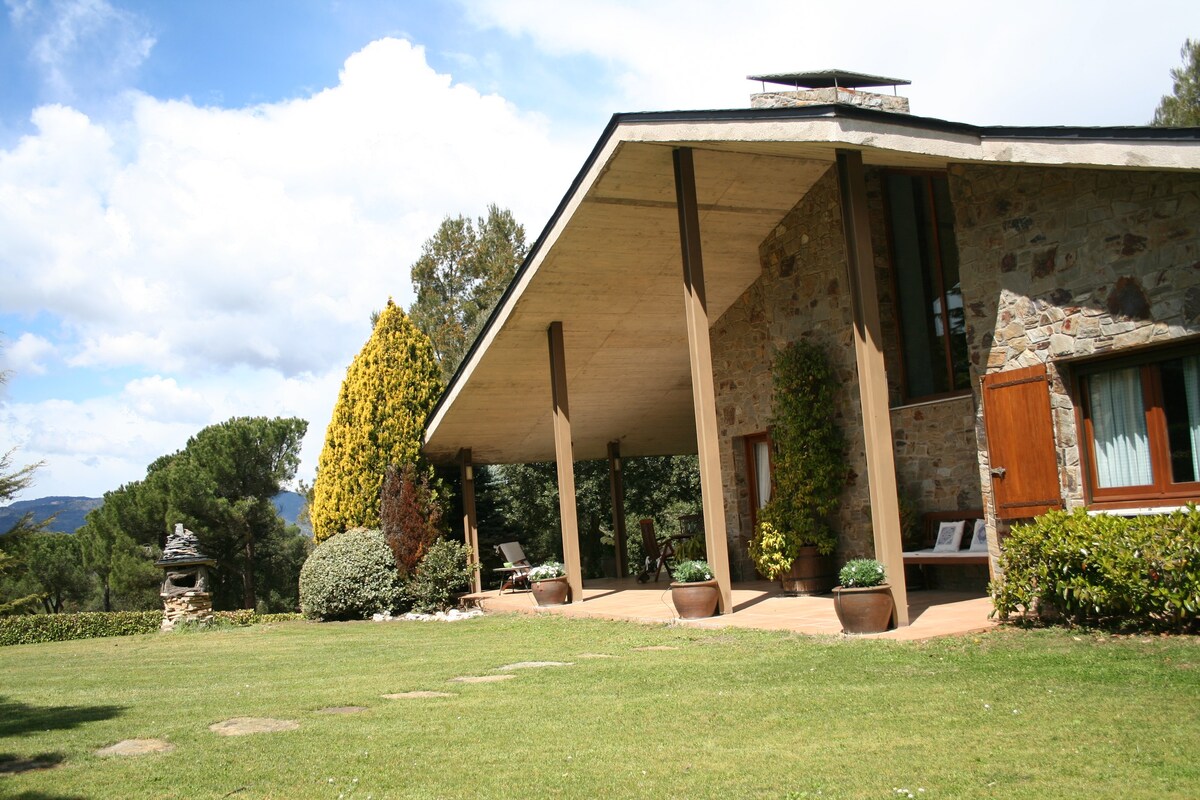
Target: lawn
x=1008, y=714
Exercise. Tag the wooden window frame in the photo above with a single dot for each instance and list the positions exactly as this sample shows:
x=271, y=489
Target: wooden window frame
x=1162, y=491
x=749, y=441
x=939, y=280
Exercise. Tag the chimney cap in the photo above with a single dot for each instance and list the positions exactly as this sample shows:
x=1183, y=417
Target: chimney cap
x=828, y=78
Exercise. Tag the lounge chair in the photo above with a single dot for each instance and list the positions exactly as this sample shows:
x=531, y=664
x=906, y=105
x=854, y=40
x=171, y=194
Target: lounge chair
x=658, y=554
x=516, y=576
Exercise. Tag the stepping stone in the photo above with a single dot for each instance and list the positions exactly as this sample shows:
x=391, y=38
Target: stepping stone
x=481, y=678
x=413, y=695
x=656, y=648
x=136, y=747
x=240, y=726
x=595, y=655
x=534, y=665
x=342, y=710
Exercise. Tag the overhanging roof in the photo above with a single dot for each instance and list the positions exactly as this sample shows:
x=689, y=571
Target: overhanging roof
x=608, y=264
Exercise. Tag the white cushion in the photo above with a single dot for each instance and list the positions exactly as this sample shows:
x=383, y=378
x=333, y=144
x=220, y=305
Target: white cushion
x=979, y=537
x=949, y=536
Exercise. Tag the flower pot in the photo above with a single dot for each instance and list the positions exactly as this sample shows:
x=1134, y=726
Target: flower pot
x=811, y=573
x=695, y=600
x=550, y=591
x=863, y=610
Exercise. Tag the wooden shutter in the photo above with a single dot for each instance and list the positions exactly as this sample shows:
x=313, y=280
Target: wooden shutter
x=1020, y=433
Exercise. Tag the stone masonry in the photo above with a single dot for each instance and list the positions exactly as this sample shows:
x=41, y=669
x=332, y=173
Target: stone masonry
x=1059, y=264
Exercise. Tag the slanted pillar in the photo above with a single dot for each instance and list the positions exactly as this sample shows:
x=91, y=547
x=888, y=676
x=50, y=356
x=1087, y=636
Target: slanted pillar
x=564, y=456
x=872, y=377
x=703, y=394
x=470, y=526
x=616, y=491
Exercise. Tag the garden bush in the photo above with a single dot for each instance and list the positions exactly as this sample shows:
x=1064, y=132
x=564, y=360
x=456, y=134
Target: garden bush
x=38, y=628
x=442, y=573
x=1139, y=573
x=350, y=576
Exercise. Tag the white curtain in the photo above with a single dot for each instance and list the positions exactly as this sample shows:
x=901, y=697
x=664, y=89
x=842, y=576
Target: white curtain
x=1191, y=380
x=762, y=472
x=1119, y=425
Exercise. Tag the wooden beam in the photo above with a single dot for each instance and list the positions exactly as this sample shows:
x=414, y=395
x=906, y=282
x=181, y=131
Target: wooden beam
x=616, y=491
x=466, y=471
x=872, y=377
x=564, y=457
x=703, y=394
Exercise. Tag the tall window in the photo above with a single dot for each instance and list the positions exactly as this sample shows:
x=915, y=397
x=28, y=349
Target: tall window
x=758, y=473
x=1141, y=425
x=929, y=302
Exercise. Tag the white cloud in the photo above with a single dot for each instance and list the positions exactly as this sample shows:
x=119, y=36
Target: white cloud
x=27, y=354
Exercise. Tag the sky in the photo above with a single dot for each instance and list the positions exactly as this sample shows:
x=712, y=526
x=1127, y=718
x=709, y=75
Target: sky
x=202, y=201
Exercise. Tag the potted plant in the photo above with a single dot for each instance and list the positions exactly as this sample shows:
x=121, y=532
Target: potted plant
x=694, y=590
x=794, y=542
x=863, y=601
x=549, y=584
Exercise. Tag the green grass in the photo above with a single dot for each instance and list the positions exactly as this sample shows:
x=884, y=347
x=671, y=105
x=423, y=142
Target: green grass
x=1010, y=714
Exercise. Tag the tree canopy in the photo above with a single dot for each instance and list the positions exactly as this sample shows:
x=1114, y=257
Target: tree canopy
x=389, y=390
x=463, y=269
x=1181, y=108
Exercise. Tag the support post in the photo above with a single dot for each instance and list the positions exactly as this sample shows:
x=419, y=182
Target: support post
x=470, y=525
x=616, y=491
x=565, y=461
x=703, y=393
x=872, y=377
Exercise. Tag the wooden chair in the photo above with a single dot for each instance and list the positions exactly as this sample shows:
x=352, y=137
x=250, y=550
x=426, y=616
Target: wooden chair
x=658, y=554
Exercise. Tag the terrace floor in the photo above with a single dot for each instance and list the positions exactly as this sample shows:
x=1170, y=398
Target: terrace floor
x=757, y=604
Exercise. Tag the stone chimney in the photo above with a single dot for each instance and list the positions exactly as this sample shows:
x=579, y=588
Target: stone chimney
x=829, y=86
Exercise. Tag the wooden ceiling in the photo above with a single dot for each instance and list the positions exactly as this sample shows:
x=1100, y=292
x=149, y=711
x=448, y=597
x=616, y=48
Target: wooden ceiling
x=614, y=278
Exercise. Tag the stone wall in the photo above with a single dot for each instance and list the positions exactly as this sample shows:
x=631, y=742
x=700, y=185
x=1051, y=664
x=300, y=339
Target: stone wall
x=1060, y=263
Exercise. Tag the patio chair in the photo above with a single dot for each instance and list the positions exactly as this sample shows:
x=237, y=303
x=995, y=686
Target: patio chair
x=516, y=576
x=658, y=554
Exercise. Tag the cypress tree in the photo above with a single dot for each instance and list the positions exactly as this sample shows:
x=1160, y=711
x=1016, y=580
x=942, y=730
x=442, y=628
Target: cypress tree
x=389, y=389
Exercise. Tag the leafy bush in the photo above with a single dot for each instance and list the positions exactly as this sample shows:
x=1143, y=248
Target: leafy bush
x=551, y=569
x=411, y=516
x=1138, y=572
x=442, y=573
x=349, y=576
x=860, y=573
x=773, y=551
x=692, y=572
x=38, y=628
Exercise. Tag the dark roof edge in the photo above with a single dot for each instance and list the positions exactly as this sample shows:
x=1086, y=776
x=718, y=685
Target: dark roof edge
x=801, y=112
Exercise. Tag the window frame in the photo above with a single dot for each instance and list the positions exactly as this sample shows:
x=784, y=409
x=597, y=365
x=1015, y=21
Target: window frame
x=1162, y=490
x=939, y=280
x=749, y=441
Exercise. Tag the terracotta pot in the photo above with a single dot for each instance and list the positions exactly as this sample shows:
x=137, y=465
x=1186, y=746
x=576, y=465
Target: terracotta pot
x=811, y=573
x=695, y=600
x=551, y=591
x=864, y=610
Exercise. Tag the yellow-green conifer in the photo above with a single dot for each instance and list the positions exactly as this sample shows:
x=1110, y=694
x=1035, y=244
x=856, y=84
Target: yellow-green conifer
x=389, y=389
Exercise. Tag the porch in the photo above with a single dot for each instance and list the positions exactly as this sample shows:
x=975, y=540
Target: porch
x=756, y=604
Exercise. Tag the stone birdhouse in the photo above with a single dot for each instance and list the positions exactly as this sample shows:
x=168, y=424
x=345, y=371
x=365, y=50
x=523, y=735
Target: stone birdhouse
x=185, y=593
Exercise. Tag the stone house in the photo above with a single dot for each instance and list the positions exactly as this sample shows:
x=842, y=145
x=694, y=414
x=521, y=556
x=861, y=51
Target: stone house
x=1012, y=313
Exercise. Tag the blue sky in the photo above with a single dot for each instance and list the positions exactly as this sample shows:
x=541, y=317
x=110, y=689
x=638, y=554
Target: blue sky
x=202, y=202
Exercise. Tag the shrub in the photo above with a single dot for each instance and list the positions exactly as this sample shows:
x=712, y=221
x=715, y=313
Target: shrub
x=350, y=576
x=1137, y=573
x=442, y=573
x=36, y=628
x=860, y=573
x=692, y=572
x=551, y=569
x=411, y=516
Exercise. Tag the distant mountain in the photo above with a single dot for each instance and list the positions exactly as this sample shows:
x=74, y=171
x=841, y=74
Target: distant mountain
x=72, y=510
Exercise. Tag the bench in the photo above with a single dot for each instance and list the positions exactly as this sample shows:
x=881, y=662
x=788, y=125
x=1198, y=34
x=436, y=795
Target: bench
x=926, y=556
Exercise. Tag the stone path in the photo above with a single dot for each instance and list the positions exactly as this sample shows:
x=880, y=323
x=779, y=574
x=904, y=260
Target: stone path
x=655, y=648
x=241, y=726
x=415, y=694
x=595, y=655
x=136, y=747
x=342, y=710
x=534, y=665
x=481, y=678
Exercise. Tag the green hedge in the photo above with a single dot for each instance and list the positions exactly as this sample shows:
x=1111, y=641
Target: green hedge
x=37, y=628
x=1136, y=573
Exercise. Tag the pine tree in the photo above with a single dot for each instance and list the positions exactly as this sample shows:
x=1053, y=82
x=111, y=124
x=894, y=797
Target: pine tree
x=389, y=389
x=1181, y=108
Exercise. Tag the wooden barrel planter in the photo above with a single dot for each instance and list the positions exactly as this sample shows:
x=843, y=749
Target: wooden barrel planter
x=811, y=573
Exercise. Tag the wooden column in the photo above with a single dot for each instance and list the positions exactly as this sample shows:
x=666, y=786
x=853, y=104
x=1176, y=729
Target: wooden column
x=470, y=527
x=564, y=457
x=872, y=377
x=703, y=394
x=616, y=491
